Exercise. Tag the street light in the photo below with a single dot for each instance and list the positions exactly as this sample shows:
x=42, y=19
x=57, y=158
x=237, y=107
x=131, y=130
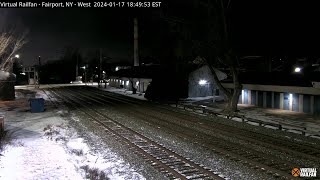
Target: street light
x=297, y=69
x=17, y=56
x=85, y=75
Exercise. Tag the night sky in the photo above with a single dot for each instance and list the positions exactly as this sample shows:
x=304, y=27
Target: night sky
x=257, y=28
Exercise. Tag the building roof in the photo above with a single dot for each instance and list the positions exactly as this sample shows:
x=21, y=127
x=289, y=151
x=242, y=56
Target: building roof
x=273, y=78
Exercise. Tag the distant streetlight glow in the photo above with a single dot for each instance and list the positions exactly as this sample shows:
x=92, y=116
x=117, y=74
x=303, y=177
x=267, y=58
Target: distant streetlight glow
x=17, y=56
x=83, y=67
x=297, y=69
x=202, y=82
x=117, y=68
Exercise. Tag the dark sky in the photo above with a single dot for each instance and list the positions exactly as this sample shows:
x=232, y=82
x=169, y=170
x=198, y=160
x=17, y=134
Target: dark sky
x=258, y=27
x=53, y=29
x=280, y=27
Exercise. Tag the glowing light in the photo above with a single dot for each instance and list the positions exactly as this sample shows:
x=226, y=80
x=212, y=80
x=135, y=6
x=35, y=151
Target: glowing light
x=290, y=97
x=17, y=56
x=297, y=69
x=202, y=82
x=127, y=83
x=137, y=83
x=117, y=68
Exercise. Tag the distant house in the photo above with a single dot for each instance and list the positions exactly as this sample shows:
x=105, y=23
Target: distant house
x=201, y=82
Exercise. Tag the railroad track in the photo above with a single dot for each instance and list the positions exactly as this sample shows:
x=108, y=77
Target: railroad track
x=173, y=165
x=296, y=149
x=246, y=156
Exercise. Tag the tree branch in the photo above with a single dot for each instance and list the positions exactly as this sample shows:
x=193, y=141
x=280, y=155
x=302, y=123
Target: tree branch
x=217, y=81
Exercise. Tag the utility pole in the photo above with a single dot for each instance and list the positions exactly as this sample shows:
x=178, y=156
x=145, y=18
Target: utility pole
x=135, y=42
x=77, y=67
x=100, y=59
x=39, y=59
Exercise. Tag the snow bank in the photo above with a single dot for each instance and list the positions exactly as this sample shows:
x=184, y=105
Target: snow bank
x=40, y=159
x=90, y=163
x=77, y=145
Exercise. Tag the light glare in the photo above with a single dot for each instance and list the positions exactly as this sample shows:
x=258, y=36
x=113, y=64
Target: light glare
x=202, y=82
x=297, y=69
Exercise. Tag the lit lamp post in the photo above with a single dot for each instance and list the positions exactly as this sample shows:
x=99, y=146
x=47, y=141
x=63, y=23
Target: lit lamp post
x=10, y=69
x=85, y=76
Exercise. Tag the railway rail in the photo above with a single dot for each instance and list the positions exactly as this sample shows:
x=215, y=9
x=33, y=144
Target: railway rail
x=297, y=149
x=173, y=165
x=251, y=158
x=246, y=156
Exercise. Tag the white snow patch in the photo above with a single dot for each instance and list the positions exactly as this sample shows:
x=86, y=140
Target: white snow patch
x=36, y=159
x=42, y=146
x=78, y=145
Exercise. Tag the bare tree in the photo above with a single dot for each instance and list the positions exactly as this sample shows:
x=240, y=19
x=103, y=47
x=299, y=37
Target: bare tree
x=12, y=38
x=221, y=52
x=9, y=45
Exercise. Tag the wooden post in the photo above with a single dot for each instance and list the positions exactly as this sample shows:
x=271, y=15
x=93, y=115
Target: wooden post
x=1, y=124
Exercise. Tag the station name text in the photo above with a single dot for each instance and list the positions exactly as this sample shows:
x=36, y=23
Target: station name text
x=71, y=4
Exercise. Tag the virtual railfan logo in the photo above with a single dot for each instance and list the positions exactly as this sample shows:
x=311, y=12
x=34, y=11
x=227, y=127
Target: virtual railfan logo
x=304, y=172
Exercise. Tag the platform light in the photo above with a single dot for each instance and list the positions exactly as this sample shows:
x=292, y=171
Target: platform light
x=202, y=82
x=127, y=83
x=297, y=69
x=290, y=97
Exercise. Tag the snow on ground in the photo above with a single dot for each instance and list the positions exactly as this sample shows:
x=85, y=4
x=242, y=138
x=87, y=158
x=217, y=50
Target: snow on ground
x=121, y=91
x=44, y=146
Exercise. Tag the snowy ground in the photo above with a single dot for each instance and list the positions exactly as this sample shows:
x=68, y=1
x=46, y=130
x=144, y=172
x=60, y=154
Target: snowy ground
x=122, y=91
x=45, y=146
